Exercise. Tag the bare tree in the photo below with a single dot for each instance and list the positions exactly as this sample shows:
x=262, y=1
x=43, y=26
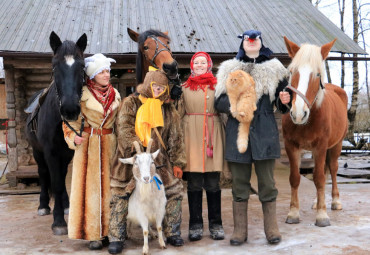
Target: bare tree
x=355, y=90
x=341, y=6
x=363, y=30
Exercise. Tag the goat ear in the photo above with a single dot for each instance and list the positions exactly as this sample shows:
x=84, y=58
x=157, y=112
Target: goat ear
x=127, y=160
x=155, y=154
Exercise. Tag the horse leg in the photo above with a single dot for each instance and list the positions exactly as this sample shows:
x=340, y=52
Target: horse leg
x=294, y=155
x=332, y=162
x=57, y=176
x=322, y=218
x=65, y=198
x=44, y=178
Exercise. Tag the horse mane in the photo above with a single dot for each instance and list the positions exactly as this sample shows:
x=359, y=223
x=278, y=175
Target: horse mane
x=139, y=57
x=310, y=55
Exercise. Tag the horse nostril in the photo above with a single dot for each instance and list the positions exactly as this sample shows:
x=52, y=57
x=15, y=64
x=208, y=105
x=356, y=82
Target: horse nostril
x=305, y=114
x=146, y=178
x=292, y=116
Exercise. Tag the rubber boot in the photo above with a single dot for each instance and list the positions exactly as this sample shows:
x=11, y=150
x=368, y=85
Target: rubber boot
x=273, y=235
x=214, y=215
x=240, y=215
x=195, y=212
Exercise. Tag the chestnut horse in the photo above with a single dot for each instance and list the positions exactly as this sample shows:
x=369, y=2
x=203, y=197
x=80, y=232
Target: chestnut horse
x=153, y=50
x=317, y=122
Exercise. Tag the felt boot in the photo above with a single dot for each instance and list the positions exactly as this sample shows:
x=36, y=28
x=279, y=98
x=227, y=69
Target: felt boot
x=214, y=215
x=273, y=235
x=240, y=215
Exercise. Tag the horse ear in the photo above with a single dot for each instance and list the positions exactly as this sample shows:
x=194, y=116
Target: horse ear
x=82, y=42
x=133, y=35
x=291, y=47
x=55, y=41
x=166, y=33
x=325, y=49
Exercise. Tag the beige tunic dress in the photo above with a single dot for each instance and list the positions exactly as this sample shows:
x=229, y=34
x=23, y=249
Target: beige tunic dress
x=90, y=189
x=202, y=125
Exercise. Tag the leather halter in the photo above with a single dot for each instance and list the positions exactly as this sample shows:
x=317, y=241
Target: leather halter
x=156, y=40
x=302, y=95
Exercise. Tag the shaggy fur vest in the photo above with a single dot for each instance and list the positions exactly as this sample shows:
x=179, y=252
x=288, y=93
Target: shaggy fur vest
x=90, y=189
x=266, y=75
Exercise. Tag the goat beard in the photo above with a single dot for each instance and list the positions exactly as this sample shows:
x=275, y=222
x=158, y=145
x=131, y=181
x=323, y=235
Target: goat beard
x=145, y=191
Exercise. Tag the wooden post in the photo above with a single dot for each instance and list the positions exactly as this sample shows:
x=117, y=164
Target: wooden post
x=10, y=110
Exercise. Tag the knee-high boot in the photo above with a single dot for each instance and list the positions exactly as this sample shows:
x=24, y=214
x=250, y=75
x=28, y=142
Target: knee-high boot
x=240, y=215
x=214, y=215
x=195, y=212
x=269, y=219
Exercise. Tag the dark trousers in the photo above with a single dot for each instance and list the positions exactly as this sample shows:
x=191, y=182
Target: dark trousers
x=241, y=176
x=209, y=181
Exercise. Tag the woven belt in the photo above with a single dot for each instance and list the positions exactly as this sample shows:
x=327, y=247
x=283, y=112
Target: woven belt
x=100, y=131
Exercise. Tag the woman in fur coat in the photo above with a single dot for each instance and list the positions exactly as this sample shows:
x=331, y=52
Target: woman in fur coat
x=204, y=136
x=165, y=130
x=90, y=190
x=263, y=146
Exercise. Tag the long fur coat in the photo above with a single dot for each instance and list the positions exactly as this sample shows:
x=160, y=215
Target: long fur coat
x=172, y=135
x=90, y=191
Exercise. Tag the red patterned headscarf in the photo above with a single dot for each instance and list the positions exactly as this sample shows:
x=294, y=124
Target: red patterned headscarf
x=200, y=82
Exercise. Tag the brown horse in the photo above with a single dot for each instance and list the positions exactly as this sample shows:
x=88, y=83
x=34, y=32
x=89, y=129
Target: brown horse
x=153, y=50
x=317, y=122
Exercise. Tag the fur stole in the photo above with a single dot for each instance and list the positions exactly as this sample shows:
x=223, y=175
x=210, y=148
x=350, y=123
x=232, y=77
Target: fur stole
x=266, y=75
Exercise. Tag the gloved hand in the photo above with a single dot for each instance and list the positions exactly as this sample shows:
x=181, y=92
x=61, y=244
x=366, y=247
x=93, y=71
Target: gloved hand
x=176, y=90
x=177, y=172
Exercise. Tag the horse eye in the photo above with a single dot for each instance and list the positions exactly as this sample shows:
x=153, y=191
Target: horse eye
x=146, y=48
x=168, y=42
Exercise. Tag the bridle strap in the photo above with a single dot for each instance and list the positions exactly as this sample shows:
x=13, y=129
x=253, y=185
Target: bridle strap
x=157, y=51
x=81, y=128
x=299, y=94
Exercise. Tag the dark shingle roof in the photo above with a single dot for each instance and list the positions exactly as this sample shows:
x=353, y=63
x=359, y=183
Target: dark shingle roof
x=193, y=25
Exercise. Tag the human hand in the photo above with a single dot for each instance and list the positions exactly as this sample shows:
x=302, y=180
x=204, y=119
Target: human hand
x=79, y=139
x=177, y=172
x=284, y=97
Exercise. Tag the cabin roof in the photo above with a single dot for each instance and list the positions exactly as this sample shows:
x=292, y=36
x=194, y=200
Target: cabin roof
x=193, y=25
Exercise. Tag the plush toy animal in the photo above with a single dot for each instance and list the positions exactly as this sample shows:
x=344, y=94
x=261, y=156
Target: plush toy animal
x=241, y=91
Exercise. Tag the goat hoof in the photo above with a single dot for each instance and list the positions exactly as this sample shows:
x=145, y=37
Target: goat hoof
x=59, y=231
x=43, y=211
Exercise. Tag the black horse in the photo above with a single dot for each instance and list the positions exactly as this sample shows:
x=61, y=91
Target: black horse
x=61, y=103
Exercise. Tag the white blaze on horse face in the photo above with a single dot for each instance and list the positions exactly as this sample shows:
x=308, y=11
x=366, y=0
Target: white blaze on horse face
x=69, y=60
x=301, y=107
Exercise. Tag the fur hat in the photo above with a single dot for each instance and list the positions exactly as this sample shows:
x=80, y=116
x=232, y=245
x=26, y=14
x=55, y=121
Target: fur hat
x=253, y=34
x=158, y=77
x=96, y=64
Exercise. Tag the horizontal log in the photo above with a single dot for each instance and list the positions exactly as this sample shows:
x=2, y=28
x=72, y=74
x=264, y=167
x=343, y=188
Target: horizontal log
x=37, y=85
x=39, y=77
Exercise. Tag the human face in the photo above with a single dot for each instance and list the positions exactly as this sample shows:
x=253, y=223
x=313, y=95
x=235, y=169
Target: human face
x=102, y=78
x=200, y=65
x=157, y=89
x=252, y=47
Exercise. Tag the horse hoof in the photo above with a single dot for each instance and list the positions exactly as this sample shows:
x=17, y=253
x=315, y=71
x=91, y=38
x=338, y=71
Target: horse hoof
x=43, y=212
x=336, y=206
x=66, y=211
x=59, y=231
x=322, y=223
x=291, y=220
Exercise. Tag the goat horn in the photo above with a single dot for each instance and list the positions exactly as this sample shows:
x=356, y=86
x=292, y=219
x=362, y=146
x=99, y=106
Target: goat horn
x=149, y=146
x=137, y=147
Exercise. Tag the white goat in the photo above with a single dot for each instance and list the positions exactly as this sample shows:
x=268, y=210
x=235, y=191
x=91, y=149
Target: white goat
x=147, y=202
